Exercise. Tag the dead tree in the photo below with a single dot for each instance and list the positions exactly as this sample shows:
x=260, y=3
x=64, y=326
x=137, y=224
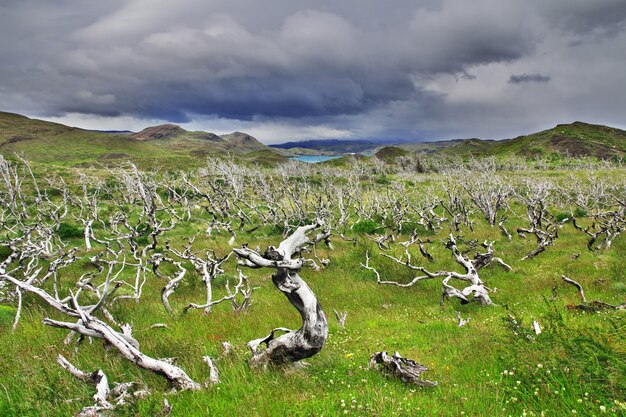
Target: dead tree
x=305, y=342
x=90, y=326
x=208, y=266
x=488, y=192
x=156, y=260
x=462, y=321
x=505, y=232
x=341, y=317
x=105, y=399
x=84, y=317
x=605, y=228
x=543, y=224
x=592, y=306
x=407, y=370
x=604, y=203
x=422, y=248
x=476, y=291
x=457, y=207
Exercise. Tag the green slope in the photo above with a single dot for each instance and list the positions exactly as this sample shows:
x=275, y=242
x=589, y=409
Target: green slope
x=170, y=145
x=390, y=153
x=576, y=139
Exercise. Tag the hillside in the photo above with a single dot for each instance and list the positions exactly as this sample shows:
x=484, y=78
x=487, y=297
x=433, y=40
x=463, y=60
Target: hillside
x=575, y=139
x=170, y=145
x=173, y=146
x=169, y=131
x=242, y=142
x=390, y=153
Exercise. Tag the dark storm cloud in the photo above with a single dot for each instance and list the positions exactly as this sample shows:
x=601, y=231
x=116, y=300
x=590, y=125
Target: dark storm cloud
x=360, y=65
x=529, y=78
x=158, y=60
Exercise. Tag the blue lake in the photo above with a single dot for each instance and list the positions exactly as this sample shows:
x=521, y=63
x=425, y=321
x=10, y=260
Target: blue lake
x=314, y=158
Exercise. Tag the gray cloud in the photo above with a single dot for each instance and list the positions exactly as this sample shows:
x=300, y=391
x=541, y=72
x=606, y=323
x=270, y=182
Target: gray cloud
x=585, y=18
x=360, y=66
x=529, y=78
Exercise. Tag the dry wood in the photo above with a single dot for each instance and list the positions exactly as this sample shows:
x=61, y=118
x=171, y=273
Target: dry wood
x=407, y=370
x=310, y=338
x=592, y=306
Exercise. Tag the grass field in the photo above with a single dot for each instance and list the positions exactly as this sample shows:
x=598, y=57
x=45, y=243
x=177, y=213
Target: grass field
x=495, y=365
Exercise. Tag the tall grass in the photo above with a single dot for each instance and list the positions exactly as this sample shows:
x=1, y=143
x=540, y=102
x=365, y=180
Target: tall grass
x=489, y=367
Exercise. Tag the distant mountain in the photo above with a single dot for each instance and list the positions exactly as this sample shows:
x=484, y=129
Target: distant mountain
x=332, y=145
x=342, y=146
x=575, y=139
x=118, y=132
x=169, y=146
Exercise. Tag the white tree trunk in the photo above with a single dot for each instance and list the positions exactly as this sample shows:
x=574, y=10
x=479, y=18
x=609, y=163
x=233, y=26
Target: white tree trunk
x=310, y=338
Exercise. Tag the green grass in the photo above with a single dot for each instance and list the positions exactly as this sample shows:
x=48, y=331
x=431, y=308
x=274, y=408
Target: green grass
x=577, y=363
x=576, y=139
x=58, y=145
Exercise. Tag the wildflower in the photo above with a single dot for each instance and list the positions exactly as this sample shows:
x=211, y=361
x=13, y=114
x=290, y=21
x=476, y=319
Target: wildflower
x=539, y=366
x=602, y=409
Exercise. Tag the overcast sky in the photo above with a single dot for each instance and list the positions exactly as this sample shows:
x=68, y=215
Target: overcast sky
x=302, y=69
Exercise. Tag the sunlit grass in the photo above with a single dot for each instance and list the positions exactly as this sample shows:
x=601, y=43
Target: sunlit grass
x=485, y=368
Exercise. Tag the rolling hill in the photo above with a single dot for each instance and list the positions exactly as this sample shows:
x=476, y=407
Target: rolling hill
x=576, y=139
x=242, y=142
x=170, y=145
x=173, y=132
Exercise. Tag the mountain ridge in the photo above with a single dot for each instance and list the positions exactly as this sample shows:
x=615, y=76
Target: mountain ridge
x=170, y=145
x=575, y=139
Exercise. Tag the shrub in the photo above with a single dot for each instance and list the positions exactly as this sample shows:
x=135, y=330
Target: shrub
x=579, y=212
x=69, y=231
x=366, y=226
x=142, y=240
x=5, y=251
x=561, y=216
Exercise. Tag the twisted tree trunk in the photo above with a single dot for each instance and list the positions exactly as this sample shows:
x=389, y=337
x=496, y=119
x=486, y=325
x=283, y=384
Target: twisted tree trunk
x=308, y=339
